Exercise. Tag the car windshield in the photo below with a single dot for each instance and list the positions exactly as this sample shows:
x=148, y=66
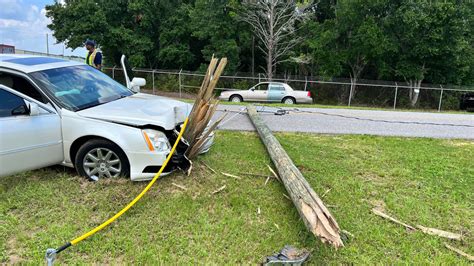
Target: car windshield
x=80, y=87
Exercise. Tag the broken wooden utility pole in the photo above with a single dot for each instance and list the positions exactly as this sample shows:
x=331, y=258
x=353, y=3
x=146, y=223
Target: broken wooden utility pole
x=316, y=216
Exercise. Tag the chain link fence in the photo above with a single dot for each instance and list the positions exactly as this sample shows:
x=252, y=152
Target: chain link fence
x=367, y=93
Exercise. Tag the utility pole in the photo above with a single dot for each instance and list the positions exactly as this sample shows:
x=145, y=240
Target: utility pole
x=47, y=44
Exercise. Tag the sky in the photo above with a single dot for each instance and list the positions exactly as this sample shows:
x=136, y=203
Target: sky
x=23, y=24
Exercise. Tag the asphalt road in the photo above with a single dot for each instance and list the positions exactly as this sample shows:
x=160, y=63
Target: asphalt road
x=350, y=121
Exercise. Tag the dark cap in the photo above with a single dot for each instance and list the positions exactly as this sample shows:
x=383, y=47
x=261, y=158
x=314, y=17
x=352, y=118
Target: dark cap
x=89, y=42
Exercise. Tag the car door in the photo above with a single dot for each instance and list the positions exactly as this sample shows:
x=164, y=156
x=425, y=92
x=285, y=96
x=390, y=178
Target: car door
x=30, y=133
x=276, y=92
x=258, y=93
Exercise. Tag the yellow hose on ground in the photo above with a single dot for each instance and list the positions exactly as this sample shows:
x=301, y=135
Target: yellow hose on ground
x=137, y=198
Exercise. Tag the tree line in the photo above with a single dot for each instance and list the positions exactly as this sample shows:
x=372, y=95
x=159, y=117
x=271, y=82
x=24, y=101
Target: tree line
x=412, y=41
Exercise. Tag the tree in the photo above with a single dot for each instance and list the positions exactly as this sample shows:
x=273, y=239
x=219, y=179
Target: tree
x=433, y=41
x=273, y=22
x=350, y=39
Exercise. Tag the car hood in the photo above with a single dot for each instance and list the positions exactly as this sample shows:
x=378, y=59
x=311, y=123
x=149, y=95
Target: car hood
x=141, y=109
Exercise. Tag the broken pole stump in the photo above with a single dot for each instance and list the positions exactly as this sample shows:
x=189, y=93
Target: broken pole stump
x=315, y=215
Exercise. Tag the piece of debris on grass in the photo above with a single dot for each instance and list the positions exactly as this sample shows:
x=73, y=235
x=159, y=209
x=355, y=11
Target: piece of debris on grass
x=325, y=193
x=251, y=174
x=258, y=211
x=266, y=181
x=383, y=215
x=230, y=175
x=208, y=167
x=441, y=233
x=219, y=189
x=274, y=173
x=179, y=186
x=277, y=227
x=288, y=256
x=286, y=196
x=460, y=252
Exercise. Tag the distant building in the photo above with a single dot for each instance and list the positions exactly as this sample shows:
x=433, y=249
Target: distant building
x=7, y=49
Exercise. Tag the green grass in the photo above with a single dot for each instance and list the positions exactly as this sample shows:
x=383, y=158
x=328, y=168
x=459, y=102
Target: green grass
x=419, y=181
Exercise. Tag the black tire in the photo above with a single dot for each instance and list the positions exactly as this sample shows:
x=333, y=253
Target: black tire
x=287, y=100
x=236, y=98
x=103, y=146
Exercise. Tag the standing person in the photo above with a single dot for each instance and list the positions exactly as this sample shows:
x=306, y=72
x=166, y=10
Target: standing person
x=94, y=57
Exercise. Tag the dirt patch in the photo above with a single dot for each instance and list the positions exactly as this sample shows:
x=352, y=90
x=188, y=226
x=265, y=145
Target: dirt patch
x=13, y=257
x=378, y=204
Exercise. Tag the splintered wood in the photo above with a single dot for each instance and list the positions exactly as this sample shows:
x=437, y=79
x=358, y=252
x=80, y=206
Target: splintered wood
x=315, y=215
x=204, y=108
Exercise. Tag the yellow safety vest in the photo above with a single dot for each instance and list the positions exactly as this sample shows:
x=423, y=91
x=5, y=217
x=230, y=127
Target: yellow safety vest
x=90, y=62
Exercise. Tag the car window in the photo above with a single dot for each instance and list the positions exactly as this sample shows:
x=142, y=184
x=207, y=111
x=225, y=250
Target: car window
x=277, y=87
x=9, y=103
x=80, y=87
x=22, y=85
x=262, y=87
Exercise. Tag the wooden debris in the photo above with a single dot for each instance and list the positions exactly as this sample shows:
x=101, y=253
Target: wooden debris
x=179, y=186
x=273, y=172
x=325, y=193
x=219, y=189
x=230, y=175
x=286, y=196
x=460, y=252
x=212, y=170
x=383, y=215
x=266, y=181
x=441, y=233
x=258, y=211
x=315, y=215
x=198, y=129
x=250, y=174
x=276, y=225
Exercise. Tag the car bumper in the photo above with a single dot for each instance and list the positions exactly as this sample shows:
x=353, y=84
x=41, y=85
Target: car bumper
x=304, y=100
x=145, y=165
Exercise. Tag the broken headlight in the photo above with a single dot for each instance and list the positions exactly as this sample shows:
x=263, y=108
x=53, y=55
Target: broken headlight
x=156, y=140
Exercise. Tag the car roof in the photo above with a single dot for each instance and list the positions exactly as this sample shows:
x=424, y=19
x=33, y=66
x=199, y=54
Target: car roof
x=33, y=63
x=274, y=82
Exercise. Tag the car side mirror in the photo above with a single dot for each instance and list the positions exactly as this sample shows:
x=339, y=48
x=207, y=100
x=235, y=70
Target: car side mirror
x=252, y=89
x=34, y=109
x=136, y=83
x=21, y=110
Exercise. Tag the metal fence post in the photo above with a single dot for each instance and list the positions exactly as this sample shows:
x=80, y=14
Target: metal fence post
x=305, y=83
x=350, y=94
x=113, y=72
x=440, y=99
x=396, y=93
x=179, y=80
x=153, y=80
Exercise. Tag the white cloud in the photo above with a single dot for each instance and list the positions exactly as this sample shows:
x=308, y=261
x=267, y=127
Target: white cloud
x=25, y=26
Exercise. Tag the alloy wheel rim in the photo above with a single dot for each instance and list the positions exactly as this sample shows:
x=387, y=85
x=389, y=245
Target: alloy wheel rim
x=236, y=99
x=102, y=162
x=289, y=101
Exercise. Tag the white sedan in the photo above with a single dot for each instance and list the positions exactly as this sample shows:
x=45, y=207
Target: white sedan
x=54, y=111
x=268, y=92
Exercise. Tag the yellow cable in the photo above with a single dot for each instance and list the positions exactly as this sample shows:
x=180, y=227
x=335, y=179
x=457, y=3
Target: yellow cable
x=137, y=198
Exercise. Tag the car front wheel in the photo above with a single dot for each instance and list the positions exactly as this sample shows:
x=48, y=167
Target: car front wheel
x=99, y=158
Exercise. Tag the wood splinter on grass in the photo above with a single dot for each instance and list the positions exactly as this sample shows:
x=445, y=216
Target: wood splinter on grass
x=460, y=252
x=383, y=215
x=208, y=167
x=219, y=189
x=273, y=172
x=441, y=233
x=230, y=175
x=179, y=186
